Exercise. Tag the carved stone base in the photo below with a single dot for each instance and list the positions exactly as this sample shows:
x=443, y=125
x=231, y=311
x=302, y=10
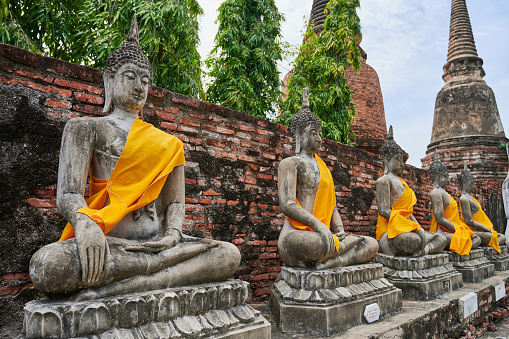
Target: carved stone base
x=214, y=310
x=328, y=302
x=421, y=278
x=474, y=267
x=500, y=260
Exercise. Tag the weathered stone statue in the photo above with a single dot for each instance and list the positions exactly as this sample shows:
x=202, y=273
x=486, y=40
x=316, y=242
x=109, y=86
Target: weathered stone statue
x=446, y=218
x=313, y=234
x=473, y=215
x=325, y=271
x=397, y=230
x=505, y=196
x=411, y=255
x=127, y=237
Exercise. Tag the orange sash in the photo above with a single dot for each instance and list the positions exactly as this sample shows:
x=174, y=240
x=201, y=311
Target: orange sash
x=137, y=179
x=398, y=222
x=325, y=201
x=461, y=241
x=483, y=219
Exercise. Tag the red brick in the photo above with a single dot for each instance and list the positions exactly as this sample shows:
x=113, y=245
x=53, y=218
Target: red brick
x=261, y=140
x=77, y=85
x=88, y=109
x=247, y=128
x=89, y=98
x=5, y=290
x=187, y=101
x=265, y=291
x=215, y=143
x=268, y=256
x=187, y=129
x=232, y=202
x=58, y=103
x=42, y=202
x=20, y=55
x=29, y=74
x=257, y=243
x=157, y=92
x=238, y=241
x=211, y=192
x=197, y=116
x=223, y=130
x=205, y=201
x=194, y=208
x=189, y=122
x=168, y=125
x=15, y=276
x=173, y=110
x=166, y=116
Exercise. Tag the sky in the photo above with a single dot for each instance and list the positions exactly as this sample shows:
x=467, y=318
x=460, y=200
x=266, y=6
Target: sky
x=406, y=42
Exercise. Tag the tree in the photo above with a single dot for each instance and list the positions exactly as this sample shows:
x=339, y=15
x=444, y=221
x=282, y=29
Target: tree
x=87, y=31
x=320, y=66
x=243, y=62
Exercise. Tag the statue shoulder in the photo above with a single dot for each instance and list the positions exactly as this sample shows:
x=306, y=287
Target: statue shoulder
x=81, y=125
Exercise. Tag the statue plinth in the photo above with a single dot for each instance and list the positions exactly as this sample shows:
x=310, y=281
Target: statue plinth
x=500, y=260
x=421, y=278
x=328, y=302
x=213, y=310
x=474, y=267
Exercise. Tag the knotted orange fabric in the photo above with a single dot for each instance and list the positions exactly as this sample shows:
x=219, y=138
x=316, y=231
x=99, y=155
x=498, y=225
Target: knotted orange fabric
x=148, y=157
x=325, y=201
x=483, y=219
x=398, y=222
x=461, y=241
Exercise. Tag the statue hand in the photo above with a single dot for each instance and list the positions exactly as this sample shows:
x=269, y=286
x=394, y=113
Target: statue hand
x=166, y=242
x=92, y=249
x=341, y=235
x=329, y=239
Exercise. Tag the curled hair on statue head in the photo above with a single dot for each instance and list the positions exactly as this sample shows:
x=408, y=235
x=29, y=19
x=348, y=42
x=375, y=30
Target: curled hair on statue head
x=437, y=168
x=389, y=149
x=465, y=176
x=128, y=52
x=301, y=120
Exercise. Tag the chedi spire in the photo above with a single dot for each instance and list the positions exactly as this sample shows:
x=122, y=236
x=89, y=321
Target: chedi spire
x=461, y=37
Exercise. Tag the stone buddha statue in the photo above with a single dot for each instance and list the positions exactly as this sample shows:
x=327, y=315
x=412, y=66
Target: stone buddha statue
x=127, y=237
x=505, y=196
x=397, y=230
x=473, y=215
x=446, y=218
x=313, y=234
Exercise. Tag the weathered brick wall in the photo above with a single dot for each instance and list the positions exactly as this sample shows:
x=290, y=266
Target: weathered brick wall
x=231, y=171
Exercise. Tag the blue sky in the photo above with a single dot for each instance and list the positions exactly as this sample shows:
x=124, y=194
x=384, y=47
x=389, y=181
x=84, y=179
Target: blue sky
x=406, y=42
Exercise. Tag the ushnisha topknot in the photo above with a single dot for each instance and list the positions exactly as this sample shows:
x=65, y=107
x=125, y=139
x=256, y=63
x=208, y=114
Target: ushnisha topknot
x=465, y=176
x=129, y=51
x=304, y=117
x=437, y=167
x=390, y=147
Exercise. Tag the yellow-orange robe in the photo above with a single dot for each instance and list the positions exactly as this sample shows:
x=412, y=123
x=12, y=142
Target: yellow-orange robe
x=483, y=219
x=148, y=157
x=461, y=241
x=325, y=201
x=398, y=222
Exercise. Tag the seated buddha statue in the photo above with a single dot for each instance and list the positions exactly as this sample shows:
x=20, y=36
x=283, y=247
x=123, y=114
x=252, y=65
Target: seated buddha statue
x=446, y=217
x=313, y=234
x=473, y=215
x=397, y=230
x=127, y=237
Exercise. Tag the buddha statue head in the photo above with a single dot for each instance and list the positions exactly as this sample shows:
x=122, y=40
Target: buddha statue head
x=306, y=127
x=392, y=154
x=438, y=172
x=127, y=75
x=466, y=180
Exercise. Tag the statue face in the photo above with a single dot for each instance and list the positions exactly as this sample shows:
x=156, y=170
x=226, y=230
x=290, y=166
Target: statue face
x=469, y=186
x=396, y=164
x=311, y=139
x=443, y=180
x=130, y=88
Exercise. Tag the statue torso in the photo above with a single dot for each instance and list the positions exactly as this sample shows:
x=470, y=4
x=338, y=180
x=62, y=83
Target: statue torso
x=396, y=187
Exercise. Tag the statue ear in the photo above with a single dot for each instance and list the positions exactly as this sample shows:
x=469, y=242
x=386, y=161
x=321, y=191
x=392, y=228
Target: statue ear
x=108, y=89
x=386, y=166
x=297, y=144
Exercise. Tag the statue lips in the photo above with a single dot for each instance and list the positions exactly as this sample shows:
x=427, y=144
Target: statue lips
x=137, y=96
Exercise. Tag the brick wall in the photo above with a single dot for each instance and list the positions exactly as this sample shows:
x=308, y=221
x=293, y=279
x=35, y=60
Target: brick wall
x=231, y=168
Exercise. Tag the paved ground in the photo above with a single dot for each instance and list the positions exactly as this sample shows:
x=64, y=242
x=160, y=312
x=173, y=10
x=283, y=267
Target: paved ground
x=502, y=331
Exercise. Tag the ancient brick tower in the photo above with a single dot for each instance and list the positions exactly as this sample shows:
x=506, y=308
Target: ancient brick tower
x=467, y=124
x=369, y=125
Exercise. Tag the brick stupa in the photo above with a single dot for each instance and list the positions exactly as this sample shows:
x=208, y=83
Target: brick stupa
x=466, y=125
x=369, y=125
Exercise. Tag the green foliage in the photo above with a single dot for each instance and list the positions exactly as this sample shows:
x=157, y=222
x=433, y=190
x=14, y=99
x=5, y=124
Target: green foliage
x=87, y=31
x=243, y=62
x=321, y=66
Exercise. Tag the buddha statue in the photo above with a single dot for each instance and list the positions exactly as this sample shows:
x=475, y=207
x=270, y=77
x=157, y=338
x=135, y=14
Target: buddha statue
x=505, y=196
x=313, y=235
x=127, y=237
x=473, y=215
x=397, y=230
x=446, y=218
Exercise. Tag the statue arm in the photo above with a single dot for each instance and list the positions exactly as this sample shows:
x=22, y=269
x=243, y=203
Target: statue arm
x=383, y=197
x=336, y=225
x=76, y=152
x=467, y=215
x=437, y=204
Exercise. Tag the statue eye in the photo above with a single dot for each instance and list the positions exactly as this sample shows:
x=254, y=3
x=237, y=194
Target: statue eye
x=144, y=80
x=129, y=75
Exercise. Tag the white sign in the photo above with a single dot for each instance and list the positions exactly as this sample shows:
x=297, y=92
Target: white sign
x=499, y=291
x=469, y=303
x=372, y=312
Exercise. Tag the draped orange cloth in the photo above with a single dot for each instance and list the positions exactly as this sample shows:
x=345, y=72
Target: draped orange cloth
x=398, y=222
x=461, y=241
x=148, y=157
x=325, y=201
x=483, y=219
